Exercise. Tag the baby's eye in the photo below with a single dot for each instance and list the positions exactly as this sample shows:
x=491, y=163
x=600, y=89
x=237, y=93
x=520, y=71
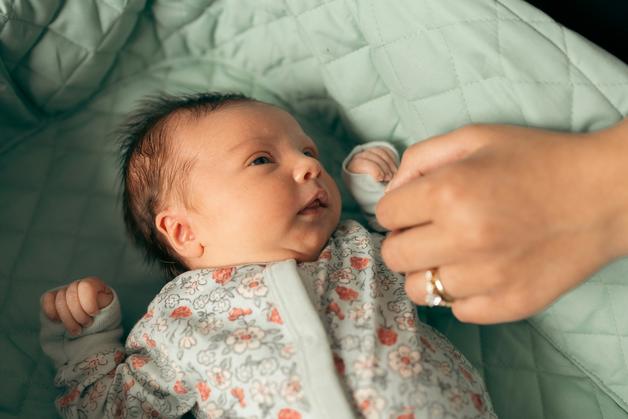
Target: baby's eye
x=310, y=153
x=261, y=160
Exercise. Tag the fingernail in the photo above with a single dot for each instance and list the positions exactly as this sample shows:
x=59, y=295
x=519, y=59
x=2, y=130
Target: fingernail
x=75, y=332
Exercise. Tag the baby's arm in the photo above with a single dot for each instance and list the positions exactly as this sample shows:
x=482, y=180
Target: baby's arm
x=81, y=333
x=366, y=172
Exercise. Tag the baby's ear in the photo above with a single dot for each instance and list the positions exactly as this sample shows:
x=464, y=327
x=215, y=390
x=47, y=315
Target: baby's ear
x=175, y=225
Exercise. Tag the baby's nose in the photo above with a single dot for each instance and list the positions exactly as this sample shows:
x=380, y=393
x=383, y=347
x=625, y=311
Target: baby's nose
x=307, y=169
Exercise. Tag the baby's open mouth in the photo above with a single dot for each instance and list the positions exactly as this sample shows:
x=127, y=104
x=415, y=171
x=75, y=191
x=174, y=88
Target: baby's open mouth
x=316, y=204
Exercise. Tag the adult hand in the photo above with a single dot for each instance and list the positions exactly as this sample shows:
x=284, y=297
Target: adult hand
x=513, y=217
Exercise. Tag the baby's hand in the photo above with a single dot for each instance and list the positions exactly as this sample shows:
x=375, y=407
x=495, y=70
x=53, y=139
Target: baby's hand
x=76, y=304
x=379, y=162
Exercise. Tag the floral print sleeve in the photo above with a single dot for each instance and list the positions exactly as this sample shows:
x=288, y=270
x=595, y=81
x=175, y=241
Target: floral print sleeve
x=336, y=337
x=103, y=379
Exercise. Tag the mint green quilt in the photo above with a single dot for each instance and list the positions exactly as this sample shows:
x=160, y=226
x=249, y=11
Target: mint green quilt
x=351, y=71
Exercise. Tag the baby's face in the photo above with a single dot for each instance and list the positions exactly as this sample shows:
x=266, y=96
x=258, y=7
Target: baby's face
x=257, y=190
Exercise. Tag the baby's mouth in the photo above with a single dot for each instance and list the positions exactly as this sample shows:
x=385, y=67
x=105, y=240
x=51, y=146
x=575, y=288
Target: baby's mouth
x=316, y=204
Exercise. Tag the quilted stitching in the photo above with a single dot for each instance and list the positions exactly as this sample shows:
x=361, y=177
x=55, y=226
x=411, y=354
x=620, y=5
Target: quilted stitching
x=81, y=58
x=457, y=84
x=391, y=68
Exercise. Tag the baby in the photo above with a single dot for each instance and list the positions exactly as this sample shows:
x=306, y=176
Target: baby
x=277, y=310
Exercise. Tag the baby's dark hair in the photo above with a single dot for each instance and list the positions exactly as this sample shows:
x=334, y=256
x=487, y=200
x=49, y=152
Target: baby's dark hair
x=152, y=170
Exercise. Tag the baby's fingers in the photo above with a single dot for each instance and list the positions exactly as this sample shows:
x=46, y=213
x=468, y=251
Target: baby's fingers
x=76, y=305
x=383, y=172
x=388, y=157
x=65, y=314
x=94, y=294
x=363, y=164
x=48, y=306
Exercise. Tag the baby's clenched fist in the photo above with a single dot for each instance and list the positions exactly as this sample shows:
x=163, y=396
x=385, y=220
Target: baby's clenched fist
x=76, y=304
x=378, y=162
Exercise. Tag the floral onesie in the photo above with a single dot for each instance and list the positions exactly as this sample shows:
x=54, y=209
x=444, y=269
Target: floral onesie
x=333, y=338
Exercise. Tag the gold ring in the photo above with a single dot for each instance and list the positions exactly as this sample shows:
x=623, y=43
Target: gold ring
x=435, y=294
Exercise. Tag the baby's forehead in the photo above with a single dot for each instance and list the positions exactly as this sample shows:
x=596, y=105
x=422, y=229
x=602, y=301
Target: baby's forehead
x=238, y=124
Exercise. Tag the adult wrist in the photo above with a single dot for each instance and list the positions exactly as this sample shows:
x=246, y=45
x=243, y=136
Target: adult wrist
x=607, y=151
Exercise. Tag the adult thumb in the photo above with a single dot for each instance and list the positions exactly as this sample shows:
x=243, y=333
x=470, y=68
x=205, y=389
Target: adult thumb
x=421, y=158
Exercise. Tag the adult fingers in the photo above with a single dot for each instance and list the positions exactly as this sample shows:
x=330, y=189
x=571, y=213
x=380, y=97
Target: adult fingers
x=64, y=313
x=417, y=248
x=406, y=206
x=74, y=304
x=456, y=286
x=48, y=306
x=425, y=156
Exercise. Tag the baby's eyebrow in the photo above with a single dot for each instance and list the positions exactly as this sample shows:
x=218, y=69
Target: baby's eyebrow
x=250, y=142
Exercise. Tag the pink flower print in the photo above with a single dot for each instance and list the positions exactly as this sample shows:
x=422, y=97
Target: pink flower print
x=274, y=317
x=238, y=393
x=366, y=367
x=223, y=275
x=210, y=324
x=149, y=342
x=406, y=321
x=287, y=351
x=335, y=308
x=245, y=338
x=339, y=363
x=253, y=286
x=138, y=361
x=326, y=254
x=148, y=315
x=426, y=342
x=237, y=312
x=203, y=390
x=287, y=413
x=192, y=286
x=319, y=286
x=220, y=377
x=118, y=357
x=406, y=416
x=369, y=402
x=212, y=411
x=406, y=361
x=386, y=336
x=346, y=293
x=359, y=263
x=179, y=388
x=361, y=242
x=69, y=398
x=96, y=394
x=91, y=364
x=291, y=389
x=344, y=276
x=361, y=314
x=128, y=385
x=263, y=393
x=455, y=397
x=478, y=402
x=181, y=312
x=186, y=342
x=467, y=374
x=444, y=368
x=150, y=411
